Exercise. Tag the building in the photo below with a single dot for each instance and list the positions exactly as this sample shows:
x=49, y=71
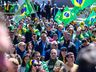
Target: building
x=58, y=2
x=63, y=2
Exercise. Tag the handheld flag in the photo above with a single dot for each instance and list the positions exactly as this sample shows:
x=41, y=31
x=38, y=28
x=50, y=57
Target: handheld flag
x=67, y=16
x=57, y=17
x=29, y=7
x=91, y=19
x=82, y=3
x=26, y=8
x=76, y=10
x=17, y=18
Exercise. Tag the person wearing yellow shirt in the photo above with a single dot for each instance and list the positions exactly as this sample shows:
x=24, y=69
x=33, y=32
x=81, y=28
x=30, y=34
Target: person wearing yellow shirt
x=7, y=7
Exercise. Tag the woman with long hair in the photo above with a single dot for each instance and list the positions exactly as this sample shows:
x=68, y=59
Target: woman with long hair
x=62, y=55
x=29, y=48
x=22, y=67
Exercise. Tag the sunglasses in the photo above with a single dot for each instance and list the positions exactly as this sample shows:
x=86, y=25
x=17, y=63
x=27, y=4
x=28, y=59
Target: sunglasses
x=36, y=65
x=63, y=50
x=38, y=56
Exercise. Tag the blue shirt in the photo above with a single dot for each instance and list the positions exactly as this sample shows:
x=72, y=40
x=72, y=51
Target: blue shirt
x=44, y=46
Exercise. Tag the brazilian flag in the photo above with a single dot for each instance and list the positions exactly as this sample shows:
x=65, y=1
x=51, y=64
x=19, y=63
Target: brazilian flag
x=82, y=3
x=17, y=18
x=67, y=16
x=76, y=10
x=26, y=8
x=29, y=7
x=91, y=19
x=57, y=17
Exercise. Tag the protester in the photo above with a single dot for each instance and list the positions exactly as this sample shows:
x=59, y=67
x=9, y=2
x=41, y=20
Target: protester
x=21, y=38
x=87, y=59
x=43, y=12
x=36, y=64
x=70, y=65
x=53, y=45
x=62, y=55
x=42, y=45
x=14, y=65
x=28, y=34
x=54, y=10
x=34, y=41
x=48, y=10
x=24, y=62
x=69, y=44
x=84, y=44
x=62, y=9
x=54, y=64
x=21, y=49
x=7, y=7
x=37, y=9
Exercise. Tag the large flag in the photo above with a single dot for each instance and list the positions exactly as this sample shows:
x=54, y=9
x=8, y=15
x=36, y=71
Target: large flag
x=17, y=18
x=67, y=16
x=76, y=10
x=26, y=8
x=29, y=7
x=91, y=19
x=57, y=17
x=81, y=4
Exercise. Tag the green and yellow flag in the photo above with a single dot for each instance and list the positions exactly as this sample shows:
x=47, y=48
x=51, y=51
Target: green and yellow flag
x=91, y=19
x=17, y=18
x=29, y=7
x=82, y=3
x=67, y=16
x=26, y=8
x=57, y=17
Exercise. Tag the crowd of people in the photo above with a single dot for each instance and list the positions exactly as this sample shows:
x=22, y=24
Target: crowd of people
x=39, y=44
x=41, y=10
